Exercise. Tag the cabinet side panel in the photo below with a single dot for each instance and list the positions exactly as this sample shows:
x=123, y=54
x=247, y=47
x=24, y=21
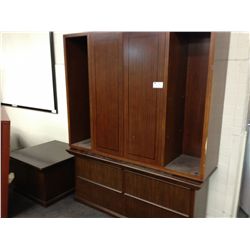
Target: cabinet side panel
x=76, y=64
x=217, y=104
x=5, y=152
x=200, y=202
x=64, y=184
x=197, y=71
x=141, y=70
x=107, y=86
x=176, y=96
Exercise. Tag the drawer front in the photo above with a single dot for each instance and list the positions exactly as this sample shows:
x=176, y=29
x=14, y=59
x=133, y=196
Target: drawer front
x=158, y=192
x=139, y=209
x=108, y=199
x=99, y=172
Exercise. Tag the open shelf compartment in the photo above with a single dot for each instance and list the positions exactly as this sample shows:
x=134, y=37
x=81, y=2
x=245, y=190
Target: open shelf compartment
x=77, y=76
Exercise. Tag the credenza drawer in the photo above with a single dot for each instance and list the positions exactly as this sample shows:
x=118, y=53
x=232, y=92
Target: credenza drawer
x=87, y=191
x=136, y=208
x=158, y=192
x=99, y=172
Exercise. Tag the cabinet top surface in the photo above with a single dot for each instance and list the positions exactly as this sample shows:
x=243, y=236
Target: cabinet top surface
x=82, y=34
x=43, y=155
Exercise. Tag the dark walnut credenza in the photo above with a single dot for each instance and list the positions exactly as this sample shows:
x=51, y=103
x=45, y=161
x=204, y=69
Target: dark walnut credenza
x=144, y=119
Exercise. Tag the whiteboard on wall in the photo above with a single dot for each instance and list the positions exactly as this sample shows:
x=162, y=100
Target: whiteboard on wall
x=27, y=70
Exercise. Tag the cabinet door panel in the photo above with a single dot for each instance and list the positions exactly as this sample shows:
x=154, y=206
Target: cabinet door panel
x=106, y=81
x=143, y=54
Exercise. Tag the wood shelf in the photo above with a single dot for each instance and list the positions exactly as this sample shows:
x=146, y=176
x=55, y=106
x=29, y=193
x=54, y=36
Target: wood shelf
x=85, y=144
x=185, y=164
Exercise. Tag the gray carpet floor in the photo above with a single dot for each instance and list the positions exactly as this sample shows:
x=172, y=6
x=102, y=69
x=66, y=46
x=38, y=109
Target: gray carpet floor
x=242, y=214
x=22, y=207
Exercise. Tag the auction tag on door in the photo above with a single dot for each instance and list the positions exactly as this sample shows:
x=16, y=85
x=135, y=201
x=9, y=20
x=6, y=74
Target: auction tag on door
x=157, y=85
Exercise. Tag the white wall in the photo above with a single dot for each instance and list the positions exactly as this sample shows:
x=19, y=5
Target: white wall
x=33, y=127
x=29, y=127
x=225, y=183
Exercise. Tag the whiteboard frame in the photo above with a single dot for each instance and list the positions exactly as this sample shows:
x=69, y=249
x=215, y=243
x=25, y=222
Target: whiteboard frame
x=53, y=72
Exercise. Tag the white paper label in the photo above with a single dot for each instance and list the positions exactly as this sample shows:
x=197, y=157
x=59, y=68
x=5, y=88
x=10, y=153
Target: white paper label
x=157, y=85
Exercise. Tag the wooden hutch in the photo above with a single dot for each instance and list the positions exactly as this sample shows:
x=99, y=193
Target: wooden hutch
x=139, y=114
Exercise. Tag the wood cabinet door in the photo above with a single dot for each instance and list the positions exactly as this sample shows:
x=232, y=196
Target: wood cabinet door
x=106, y=86
x=144, y=55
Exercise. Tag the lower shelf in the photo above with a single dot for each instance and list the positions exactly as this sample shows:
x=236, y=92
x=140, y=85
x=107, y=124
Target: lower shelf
x=185, y=164
x=86, y=144
x=123, y=192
